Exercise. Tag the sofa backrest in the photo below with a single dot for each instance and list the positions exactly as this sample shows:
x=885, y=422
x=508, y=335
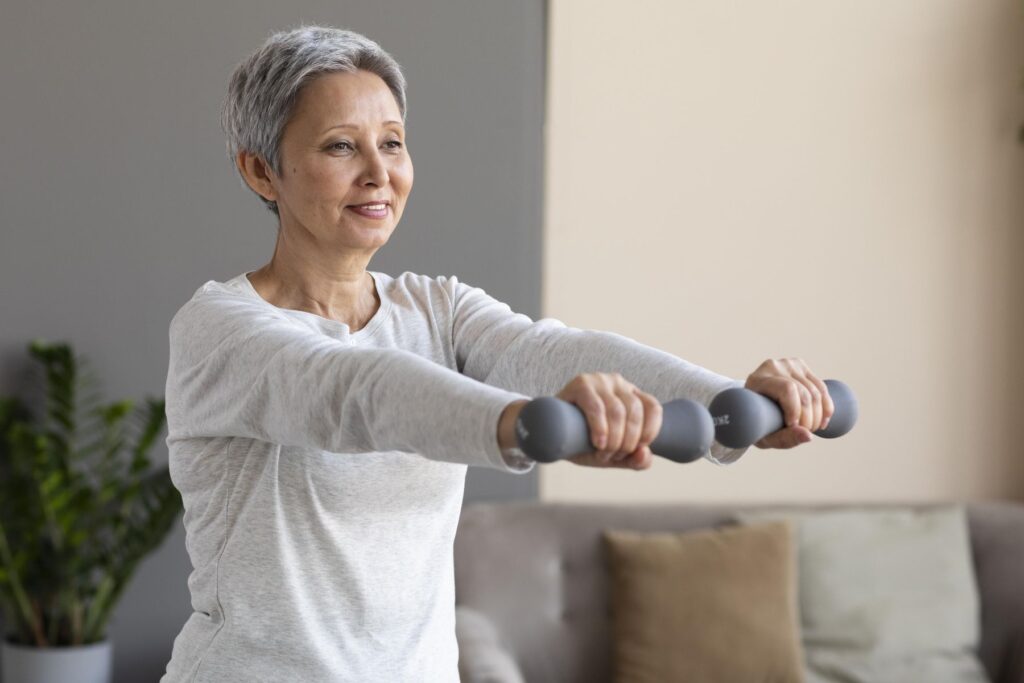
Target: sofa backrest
x=538, y=571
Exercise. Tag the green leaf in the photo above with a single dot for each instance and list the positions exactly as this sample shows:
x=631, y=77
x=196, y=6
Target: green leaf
x=79, y=505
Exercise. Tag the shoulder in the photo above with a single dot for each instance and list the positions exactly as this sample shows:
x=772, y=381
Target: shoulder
x=413, y=280
x=222, y=306
x=425, y=289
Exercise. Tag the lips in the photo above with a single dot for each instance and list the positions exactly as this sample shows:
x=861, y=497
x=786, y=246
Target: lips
x=371, y=209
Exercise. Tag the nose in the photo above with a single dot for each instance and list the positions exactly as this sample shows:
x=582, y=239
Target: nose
x=375, y=172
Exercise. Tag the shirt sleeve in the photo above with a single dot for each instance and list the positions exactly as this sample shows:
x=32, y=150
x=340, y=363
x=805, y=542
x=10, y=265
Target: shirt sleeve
x=237, y=369
x=509, y=350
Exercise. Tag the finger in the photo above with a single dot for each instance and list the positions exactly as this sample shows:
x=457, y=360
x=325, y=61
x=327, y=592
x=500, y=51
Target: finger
x=784, y=391
x=592, y=405
x=640, y=459
x=790, y=437
x=633, y=460
x=817, y=402
x=634, y=420
x=806, y=405
x=789, y=398
x=817, y=395
x=828, y=408
x=823, y=401
x=810, y=402
x=615, y=417
x=653, y=416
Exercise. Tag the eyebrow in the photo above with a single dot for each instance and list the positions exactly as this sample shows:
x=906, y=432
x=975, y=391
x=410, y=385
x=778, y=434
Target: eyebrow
x=352, y=125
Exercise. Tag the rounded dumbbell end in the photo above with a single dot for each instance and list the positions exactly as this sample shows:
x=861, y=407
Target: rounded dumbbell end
x=686, y=431
x=549, y=429
x=741, y=417
x=846, y=410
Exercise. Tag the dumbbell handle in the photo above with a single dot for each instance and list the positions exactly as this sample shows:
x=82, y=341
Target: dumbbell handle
x=550, y=429
x=743, y=417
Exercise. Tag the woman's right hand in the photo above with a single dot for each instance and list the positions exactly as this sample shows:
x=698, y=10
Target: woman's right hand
x=623, y=420
x=803, y=397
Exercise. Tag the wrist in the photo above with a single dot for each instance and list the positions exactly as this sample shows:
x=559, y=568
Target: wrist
x=507, y=425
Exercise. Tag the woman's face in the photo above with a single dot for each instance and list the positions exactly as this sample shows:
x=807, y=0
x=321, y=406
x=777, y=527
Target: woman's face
x=344, y=146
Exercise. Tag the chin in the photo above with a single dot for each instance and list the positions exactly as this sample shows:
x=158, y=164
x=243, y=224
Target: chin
x=364, y=236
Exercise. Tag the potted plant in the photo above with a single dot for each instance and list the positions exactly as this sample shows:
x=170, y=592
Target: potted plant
x=79, y=509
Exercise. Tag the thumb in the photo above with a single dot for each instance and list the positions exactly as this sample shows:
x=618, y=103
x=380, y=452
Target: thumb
x=788, y=437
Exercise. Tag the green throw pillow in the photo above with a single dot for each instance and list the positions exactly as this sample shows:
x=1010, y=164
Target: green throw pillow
x=886, y=595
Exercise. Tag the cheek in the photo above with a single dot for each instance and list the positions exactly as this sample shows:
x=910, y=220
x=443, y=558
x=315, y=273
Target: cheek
x=325, y=183
x=402, y=177
x=327, y=175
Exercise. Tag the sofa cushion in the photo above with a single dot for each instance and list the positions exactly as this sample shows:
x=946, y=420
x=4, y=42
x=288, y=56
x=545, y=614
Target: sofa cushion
x=708, y=605
x=886, y=595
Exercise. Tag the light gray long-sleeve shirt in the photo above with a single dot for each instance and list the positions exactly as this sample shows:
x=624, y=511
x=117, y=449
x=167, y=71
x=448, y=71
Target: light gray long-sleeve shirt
x=322, y=470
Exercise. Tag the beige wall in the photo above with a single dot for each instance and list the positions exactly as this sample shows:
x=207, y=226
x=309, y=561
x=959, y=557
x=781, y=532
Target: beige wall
x=837, y=181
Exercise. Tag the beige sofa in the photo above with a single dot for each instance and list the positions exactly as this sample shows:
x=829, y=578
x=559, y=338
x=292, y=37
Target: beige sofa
x=532, y=598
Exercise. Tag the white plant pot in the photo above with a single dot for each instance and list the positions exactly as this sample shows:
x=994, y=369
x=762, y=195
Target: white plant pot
x=79, y=663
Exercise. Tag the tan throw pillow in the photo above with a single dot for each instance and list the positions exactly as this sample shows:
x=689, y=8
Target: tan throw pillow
x=710, y=605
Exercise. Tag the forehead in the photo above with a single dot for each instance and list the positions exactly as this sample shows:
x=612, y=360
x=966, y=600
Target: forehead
x=358, y=97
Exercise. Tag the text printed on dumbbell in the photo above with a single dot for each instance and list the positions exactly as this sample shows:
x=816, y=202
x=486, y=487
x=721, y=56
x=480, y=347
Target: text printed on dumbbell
x=721, y=420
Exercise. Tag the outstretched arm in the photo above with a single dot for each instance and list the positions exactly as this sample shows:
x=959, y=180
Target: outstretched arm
x=238, y=369
x=538, y=358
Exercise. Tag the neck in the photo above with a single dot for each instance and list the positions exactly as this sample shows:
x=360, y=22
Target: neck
x=346, y=296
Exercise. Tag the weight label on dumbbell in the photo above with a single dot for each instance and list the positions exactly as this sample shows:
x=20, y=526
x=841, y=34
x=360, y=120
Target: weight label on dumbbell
x=721, y=420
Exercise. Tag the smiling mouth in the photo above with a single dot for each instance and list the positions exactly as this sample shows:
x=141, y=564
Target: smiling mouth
x=370, y=210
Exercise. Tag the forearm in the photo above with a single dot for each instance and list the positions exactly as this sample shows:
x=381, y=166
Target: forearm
x=509, y=350
x=646, y=367
x=236, y=372
x=542, y=360
x=546, y=363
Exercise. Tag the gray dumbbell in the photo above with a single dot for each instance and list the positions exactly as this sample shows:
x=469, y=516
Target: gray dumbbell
x=549, y=429
x=743, y=417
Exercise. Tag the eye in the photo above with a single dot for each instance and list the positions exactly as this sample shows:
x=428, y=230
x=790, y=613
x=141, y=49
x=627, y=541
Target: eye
x=336, y=144
x=396, y=143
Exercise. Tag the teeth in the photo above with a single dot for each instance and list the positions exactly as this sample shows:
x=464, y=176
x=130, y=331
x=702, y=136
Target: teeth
x=373, y=207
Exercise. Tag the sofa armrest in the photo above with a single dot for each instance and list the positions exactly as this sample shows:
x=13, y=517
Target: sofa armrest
x=997, y=531
x=1011, y=667
x=482, y=657
x=1015, y=667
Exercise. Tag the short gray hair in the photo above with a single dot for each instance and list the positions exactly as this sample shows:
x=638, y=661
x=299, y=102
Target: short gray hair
x=265, y=86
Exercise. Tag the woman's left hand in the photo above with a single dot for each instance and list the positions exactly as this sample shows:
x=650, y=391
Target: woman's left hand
x=804, y=399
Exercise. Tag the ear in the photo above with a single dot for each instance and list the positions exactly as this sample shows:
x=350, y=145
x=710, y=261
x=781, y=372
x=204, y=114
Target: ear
x=257, y=174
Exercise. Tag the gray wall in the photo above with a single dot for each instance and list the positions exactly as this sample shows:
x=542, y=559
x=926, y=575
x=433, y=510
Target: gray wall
x=117, y=200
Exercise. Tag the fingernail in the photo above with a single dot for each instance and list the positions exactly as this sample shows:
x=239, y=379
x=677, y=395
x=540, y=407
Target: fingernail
x=824, y=423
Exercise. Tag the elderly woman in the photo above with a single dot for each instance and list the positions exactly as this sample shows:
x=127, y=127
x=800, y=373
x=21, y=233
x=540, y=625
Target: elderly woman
x=321, y=416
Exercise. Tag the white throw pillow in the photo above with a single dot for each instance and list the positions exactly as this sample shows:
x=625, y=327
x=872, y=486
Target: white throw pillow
x=886, y=595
